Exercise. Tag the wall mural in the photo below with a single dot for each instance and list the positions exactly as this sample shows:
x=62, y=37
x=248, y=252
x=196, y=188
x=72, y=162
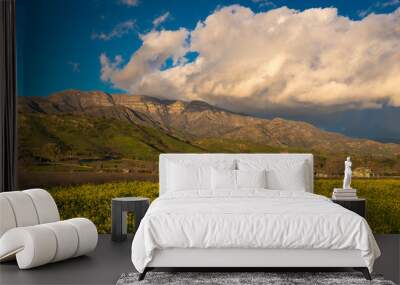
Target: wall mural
x=105, y=86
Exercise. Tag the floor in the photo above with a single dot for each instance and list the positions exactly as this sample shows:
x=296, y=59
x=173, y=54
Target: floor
x=103, y=266
x=111, y=259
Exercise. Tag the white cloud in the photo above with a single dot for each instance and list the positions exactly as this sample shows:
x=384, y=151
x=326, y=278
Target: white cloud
x=265, y=3
x=378, y=5
x=118, y=31
x=161, y=19
x=157, y=47
x=363, y=13
x=107, y=67
x=389, y=3
x=75, y=66
x=130, y=3
x=278, y=59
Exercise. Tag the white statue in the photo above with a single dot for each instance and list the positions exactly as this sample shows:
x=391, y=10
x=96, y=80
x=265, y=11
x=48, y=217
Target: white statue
x=347, y=174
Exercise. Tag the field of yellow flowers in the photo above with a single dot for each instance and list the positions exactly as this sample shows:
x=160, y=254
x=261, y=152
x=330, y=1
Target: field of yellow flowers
x=93, y=201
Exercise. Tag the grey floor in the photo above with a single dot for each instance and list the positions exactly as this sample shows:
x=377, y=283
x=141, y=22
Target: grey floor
x=110, y=260
x=103, y=266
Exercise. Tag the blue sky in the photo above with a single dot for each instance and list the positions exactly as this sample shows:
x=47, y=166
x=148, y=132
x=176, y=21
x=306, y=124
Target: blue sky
x=60, y=41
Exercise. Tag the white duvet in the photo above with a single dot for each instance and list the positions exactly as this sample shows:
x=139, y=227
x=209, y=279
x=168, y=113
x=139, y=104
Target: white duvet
x=250, y=219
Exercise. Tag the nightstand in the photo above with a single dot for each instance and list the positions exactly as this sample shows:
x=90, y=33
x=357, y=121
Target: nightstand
x=356, y=205
x=119, y=209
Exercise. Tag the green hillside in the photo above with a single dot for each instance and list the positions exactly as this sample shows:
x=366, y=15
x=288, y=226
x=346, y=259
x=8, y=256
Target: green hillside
x=53, y=147
x=49, y=138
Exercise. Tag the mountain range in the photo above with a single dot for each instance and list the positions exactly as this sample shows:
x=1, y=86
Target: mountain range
x=179, y=126
x=380, y=124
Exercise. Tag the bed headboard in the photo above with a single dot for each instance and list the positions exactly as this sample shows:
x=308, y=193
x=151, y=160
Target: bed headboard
x=164, y=158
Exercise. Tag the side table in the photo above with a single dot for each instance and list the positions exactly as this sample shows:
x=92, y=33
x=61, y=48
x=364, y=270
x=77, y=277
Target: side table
x=357, y=205
x=119, y=209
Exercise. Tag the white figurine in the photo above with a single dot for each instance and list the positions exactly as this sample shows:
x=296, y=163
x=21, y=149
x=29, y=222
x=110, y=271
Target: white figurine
x=347, y=174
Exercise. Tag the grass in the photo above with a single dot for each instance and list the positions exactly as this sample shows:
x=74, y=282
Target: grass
x=64, y=137
x=94, y=201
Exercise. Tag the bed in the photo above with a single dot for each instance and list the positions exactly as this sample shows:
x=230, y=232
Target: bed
x=247, y=210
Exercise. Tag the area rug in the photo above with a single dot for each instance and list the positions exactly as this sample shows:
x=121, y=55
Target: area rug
x=244, y=278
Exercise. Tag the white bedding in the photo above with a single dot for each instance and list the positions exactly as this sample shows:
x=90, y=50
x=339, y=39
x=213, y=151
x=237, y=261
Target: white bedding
x=250, y=219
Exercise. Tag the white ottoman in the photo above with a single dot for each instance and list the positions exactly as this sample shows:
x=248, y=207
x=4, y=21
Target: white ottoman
x=31, y=232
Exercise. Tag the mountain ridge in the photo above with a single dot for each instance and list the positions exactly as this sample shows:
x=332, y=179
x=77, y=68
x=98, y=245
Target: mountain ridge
x=198, y=120
x=76, y=100
x=76, y=126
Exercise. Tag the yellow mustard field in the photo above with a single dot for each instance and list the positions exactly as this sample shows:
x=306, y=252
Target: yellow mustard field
x=93, y=201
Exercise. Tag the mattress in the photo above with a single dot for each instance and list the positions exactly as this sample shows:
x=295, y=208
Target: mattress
x=250, y=219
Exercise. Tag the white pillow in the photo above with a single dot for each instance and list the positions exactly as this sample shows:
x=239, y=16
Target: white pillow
x=282, y=174
x=251, y=178
x=223, y=179
x=226, y=179
x=193, y=174
x=181, y=177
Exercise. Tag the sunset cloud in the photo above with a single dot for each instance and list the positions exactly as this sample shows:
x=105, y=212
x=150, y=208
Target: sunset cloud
x=280, y=58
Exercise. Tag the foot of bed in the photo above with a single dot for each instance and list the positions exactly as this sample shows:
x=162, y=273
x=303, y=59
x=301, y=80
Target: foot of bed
x=142, y=275
x=364, y=271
